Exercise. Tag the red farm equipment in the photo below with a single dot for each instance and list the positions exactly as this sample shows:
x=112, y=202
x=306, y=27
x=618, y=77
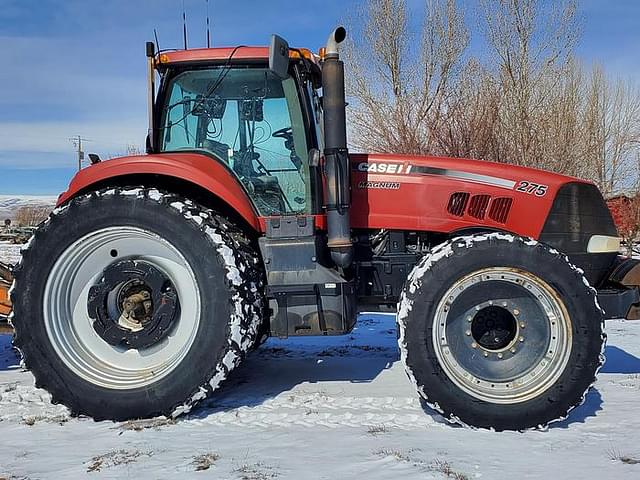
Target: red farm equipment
x=249, y=218
x=5, y=284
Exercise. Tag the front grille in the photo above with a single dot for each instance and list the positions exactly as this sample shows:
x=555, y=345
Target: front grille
x=500, y=207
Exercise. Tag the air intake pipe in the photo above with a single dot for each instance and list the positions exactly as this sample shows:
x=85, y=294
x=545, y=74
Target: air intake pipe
x=336, y=167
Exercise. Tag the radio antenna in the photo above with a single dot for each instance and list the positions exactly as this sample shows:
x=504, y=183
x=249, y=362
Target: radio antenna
x=208, y=28
x=184, y=25
x=155, y=35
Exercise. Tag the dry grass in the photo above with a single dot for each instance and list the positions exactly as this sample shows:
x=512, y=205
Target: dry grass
x=256, y=471
x=397, y=454
x=377, y=429
x=437, y=466
x=115, y=458
x=205, y=461
x=616, y=456
x=447, y=470
x=31, y=420
x=139, y=425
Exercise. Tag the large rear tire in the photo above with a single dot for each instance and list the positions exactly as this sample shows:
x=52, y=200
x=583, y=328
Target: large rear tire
x=133, y=303
x=500, y=332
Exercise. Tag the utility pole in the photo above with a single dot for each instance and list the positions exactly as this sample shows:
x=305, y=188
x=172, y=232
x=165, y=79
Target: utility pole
x=77, y=143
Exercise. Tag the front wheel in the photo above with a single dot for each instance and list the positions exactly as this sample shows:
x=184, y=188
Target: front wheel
x=500, y=332
x=133, y=303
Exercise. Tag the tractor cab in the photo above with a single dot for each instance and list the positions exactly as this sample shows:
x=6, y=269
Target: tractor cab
x=263, y=127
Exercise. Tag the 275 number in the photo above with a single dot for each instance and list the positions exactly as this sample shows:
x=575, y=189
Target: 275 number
x=532, y=188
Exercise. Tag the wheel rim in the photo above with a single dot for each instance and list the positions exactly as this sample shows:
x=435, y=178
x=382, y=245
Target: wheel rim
x=508, y=349
x=70, y=328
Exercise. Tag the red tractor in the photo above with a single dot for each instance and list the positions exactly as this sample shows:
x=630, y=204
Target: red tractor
x=248, y=218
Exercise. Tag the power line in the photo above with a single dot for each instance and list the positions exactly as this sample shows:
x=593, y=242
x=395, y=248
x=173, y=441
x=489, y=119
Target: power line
x=77, y=143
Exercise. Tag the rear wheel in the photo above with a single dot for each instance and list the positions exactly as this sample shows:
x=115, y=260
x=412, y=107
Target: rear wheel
x=500, y=332
x=135, y=303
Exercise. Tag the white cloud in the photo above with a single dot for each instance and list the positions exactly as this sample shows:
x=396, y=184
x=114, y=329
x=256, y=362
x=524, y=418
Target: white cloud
x=50, y=144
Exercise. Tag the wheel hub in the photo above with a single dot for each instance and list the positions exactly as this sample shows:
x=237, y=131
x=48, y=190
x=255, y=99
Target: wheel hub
x=137, y=306
x=133, y=305
x=494, y=328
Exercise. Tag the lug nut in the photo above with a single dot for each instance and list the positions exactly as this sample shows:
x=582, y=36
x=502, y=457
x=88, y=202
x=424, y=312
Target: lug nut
x=521, y=339
x=468, y=333
x=486, y=354
x=513, y=350
x=516, y=312
x=474, y=345
x=521, y=324
x=500, y=355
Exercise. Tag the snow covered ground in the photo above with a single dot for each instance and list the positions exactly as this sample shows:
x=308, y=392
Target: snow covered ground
x=10, y=253
x=324, y=408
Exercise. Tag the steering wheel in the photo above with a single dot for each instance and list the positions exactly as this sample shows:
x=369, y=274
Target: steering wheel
x=285, y=133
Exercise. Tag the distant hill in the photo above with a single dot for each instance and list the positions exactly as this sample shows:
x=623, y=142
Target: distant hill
x=9, y=204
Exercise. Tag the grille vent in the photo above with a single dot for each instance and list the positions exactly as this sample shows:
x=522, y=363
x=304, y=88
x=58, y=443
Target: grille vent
x=500, y=208
x=478, y=206
x=458, y=203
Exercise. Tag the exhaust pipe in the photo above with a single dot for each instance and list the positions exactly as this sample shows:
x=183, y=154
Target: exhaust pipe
x=337, y=169
x=151, y=89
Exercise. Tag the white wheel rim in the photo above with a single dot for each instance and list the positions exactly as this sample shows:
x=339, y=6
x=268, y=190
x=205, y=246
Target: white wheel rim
x=533, y=379
x=70, y=329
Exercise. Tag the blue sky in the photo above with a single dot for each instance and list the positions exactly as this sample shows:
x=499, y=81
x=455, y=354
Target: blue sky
x=74, y=67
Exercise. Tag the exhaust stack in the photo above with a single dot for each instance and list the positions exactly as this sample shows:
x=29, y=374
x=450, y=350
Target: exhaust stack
x=337, y=168
x=151, y=90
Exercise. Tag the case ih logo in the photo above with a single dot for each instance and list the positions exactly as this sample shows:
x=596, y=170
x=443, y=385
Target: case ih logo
x=391, y=168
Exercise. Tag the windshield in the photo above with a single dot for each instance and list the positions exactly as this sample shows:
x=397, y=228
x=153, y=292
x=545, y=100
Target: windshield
x=249, y=119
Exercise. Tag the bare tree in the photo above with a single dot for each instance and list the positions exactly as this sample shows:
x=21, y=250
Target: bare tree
x=31, y=216
x=400, y=80
x=468, y=127
x=619, y=134
x=529, y=47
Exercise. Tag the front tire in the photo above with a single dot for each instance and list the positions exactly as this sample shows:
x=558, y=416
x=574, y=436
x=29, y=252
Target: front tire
x=133, y=303
x=500, y=332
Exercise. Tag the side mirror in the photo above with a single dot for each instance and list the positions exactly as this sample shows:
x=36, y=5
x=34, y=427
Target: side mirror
x=279, y=56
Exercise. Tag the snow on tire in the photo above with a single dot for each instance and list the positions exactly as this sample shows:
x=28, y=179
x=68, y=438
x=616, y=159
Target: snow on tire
x=498, y=331
x=132, y=303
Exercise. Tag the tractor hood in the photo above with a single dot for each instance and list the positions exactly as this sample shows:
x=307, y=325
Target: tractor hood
x=454, y=195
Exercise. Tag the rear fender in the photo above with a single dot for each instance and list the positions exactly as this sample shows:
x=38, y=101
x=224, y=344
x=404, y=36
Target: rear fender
x=198, y=170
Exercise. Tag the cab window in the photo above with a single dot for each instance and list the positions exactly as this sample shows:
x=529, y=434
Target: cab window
x=249, y=119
